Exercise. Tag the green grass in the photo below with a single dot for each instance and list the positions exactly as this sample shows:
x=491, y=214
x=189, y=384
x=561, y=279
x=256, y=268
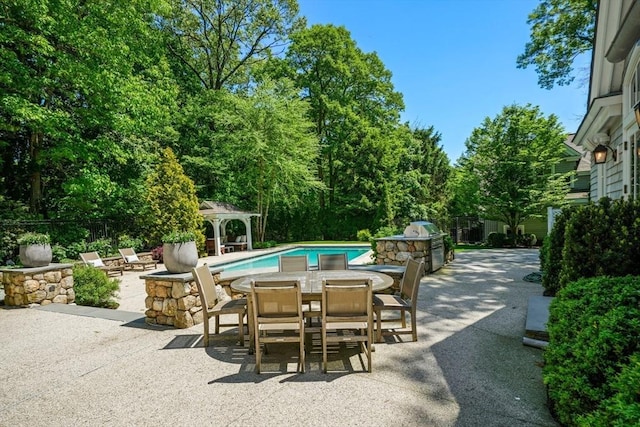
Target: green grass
x=463, y=248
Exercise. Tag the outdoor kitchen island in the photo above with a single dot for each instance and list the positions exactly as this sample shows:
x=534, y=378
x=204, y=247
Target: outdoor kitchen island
x=421, y=241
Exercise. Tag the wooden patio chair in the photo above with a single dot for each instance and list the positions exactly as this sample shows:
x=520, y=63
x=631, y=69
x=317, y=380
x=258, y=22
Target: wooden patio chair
x=300, y=263
x=131, y=260
x=332, y=261
x=215, y=302
x=347, y=306
x=277, y=316
x=93, y=259
x=404, y=303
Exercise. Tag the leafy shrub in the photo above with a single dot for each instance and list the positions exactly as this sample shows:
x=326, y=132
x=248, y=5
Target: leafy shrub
x=551, y=253
x=33, y=239
x=448, y=243
x=179, y=237
x=125, y=241
x=102, y=246
x=363, y=235
x=265, y=244
x=623, y=407
x=58, y=253
x=593, y=350
x=601, y=239
x=74, y=249
x=496, y=240
x=94, y=288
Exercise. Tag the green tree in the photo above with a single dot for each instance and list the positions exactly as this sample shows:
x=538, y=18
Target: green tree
x=355, y=112
x=218, y=41
x=513, y=157
x=424, y=172
x=561, y=30
x=82, y=88
x=172, y=201
x=275, y=149
x=464, y=188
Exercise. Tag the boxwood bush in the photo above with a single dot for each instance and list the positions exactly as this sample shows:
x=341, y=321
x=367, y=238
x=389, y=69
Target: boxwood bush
x=94, y=288
x=592, y=362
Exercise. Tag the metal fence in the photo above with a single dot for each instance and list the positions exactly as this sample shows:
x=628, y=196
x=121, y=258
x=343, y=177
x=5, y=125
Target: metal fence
x=93, y=230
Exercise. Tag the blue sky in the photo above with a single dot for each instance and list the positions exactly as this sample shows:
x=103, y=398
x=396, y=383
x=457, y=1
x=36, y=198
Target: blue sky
x=454, y=61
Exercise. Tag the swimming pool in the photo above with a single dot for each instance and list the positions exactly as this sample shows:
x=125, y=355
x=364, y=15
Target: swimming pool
x=312, y=252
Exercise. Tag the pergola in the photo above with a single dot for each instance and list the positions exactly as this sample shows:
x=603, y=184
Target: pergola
x=219, y=214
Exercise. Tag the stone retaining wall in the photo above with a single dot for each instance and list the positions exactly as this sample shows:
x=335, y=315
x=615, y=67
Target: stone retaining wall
x=397, y=252
x=39, y=285
x=173, y=299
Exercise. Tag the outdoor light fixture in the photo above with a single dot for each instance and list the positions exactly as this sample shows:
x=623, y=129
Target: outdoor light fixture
x=600, y=154
x=636, y=110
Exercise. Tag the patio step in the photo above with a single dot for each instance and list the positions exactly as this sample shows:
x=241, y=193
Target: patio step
x=536, y=334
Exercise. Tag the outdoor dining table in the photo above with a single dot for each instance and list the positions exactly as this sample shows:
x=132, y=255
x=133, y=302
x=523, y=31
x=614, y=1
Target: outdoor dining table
x=310, y=285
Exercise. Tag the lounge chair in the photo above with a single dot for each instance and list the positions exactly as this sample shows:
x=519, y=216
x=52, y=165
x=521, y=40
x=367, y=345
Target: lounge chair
x=239, y=245
x=131, y=260
x=94, y=260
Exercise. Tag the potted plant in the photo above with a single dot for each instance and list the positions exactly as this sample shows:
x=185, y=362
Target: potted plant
x=179, y=251
x=35, y=249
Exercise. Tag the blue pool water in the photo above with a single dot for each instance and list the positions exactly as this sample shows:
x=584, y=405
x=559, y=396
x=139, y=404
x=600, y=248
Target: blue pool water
x=271, y=260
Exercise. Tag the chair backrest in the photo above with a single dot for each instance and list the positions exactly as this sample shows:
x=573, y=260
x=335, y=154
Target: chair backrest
x=206, y=286
x=414, y=271
x=88, y=257
x=127, y=252
x=293, y=263
x=276, y=301
x=332, y=261
x=347, y=299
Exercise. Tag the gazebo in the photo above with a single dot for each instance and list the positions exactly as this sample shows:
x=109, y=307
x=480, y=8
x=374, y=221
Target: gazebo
x=219, y=214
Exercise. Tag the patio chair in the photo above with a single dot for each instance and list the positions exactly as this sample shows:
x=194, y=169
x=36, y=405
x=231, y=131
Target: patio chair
x=405, y=302
x=300, y=263
x=131, y=260
x=93, y=259
x=347, y=306
x=216, y=302
x=277, y=316
x=293, y=263
x=332, y=261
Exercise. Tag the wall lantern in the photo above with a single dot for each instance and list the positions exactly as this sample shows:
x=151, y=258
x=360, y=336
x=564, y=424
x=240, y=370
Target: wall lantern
x=636, y=110
x=600, y=154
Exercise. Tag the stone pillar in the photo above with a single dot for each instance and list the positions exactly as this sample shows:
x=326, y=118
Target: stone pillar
x=173, y=299
x=39, y=285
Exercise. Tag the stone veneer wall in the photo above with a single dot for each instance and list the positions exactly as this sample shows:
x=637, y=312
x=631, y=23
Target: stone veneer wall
x=38, y=285
x=394, y=251
x=173, y=299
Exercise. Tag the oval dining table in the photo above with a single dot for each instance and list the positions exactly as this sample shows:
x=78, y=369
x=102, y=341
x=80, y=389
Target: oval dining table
x=310, y=285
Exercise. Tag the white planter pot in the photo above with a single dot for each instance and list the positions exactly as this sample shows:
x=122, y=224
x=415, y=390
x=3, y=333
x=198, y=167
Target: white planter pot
x=180, y=257
x=35, y=255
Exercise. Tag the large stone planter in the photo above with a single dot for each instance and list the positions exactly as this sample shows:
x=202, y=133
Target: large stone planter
x=180, y=257
x=35, y=255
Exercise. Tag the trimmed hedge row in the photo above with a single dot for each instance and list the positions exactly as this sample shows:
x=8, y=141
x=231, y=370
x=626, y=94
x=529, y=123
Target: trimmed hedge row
x=592, y=363
x=599, y=239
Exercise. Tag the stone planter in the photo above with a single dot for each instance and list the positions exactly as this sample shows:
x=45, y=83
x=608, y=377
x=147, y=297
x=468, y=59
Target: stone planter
x=180, y=257
x=35, y=255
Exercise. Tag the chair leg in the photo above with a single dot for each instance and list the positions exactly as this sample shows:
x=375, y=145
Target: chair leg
x=414, y=331
x=302, y=362
x=241, y=328
x=369, y=345
x=206, y=331
x=404, y=320
x=379, y=325
x=217, y=329
x=324, y=350
x=257, y=351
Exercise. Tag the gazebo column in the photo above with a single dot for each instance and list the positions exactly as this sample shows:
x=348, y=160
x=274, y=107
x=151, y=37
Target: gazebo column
x=223, y=229
x=247, y=225
x=216, y=234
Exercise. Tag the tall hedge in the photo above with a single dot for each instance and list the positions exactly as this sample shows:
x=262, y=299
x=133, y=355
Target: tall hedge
x=551, y=253
x=599, y=239
x=172, y=199
x=591, y=363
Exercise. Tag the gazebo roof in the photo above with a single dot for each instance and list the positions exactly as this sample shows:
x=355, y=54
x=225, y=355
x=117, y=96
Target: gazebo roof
x=216, y=210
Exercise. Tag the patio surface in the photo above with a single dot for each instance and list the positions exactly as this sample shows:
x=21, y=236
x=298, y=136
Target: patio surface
x=61, y=366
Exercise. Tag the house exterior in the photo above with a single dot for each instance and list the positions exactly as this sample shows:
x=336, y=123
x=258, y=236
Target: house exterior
x=575, y=159
x=614, y=92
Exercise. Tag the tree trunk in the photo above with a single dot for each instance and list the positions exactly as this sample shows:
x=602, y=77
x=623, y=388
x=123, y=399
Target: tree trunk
x=35, y=201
